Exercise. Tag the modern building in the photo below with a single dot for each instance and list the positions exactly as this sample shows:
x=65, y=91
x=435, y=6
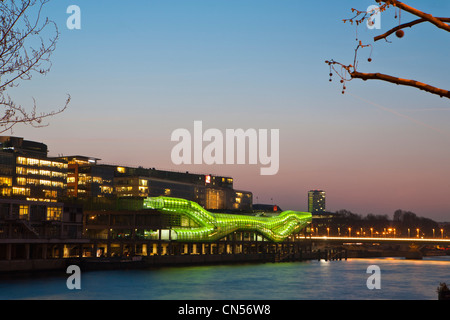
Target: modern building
x=166, y=225
x=316, y=201
x=40, y=230
x=198, y=224
x=87, y=179
x=27, y=173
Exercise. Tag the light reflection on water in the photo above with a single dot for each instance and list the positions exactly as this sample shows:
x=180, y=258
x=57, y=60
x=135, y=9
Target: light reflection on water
x=400, y=279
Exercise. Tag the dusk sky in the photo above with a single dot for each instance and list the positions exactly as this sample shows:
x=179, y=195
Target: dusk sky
x=138, y=70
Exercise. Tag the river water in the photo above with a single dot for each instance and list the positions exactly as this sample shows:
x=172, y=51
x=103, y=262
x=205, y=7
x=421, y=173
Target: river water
x=344, y=280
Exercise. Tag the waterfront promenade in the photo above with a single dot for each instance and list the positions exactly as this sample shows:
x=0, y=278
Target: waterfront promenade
x=146, y=254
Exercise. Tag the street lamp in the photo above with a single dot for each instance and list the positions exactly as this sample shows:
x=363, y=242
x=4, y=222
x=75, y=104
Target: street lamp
x=349, y=232
x=442, y=233
x=417, y=232
x=371, y=232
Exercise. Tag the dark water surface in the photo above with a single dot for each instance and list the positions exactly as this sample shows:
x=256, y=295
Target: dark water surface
x=400, y=279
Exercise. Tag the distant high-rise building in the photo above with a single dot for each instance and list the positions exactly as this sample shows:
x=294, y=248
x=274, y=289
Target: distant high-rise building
x=316, y=201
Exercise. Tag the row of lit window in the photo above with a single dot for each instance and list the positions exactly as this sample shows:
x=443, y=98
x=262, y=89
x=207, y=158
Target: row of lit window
x=130, y=188
x=53, y=213
x=167, y=192
x=28, y=181
x=83, y=179
x=48, y=173
x=40, y=163
x=5, y=181
x=22, y=191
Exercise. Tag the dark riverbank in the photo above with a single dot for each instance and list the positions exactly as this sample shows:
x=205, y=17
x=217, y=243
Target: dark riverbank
x=141, y=262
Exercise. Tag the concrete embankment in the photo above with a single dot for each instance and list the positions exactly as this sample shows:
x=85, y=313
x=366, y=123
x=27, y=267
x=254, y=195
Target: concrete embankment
x=140, y=262
x=32, y=265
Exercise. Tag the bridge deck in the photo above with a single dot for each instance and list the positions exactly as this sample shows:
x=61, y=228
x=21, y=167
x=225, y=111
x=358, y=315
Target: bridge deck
x=434, y=241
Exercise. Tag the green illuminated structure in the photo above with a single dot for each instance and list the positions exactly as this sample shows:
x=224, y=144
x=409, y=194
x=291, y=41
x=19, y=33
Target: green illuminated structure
x=202, y=225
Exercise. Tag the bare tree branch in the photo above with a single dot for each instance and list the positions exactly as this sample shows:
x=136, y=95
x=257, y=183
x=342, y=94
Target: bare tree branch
x=400, y=81
x=349, y=72
x=405, y=25
x=428, y=17
x=23, y=52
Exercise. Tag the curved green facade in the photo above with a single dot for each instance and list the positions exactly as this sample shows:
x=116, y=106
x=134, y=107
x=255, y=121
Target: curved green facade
x=210, y=226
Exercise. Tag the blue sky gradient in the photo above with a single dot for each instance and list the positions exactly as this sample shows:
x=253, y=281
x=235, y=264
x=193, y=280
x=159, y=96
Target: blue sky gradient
x=138, y=70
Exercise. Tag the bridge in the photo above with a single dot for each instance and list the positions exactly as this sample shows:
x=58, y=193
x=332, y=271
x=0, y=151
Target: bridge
x=410, y=248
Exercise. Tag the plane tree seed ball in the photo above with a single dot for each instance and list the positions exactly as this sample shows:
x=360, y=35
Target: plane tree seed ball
x=399, y=33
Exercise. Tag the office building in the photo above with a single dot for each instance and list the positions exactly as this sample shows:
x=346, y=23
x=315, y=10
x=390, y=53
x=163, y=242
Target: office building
x=87, y=179
x=26, y=172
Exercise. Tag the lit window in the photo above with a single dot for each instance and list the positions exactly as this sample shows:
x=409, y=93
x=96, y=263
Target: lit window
x=70, y=179
x=45, y=182
x=32, y=171
x=32, y=162
x=143, y=189
x=45, y=163
x=54, y=213
x=5, y=192
x=23, y=212
x=5, y=181
x=21, y=160
x=21, y=191
x=45, y=173
x=50, y=193
x=57, y=184
x=21, y=181
x=121, y=169
x=97, y=179
x=106, y=189
x=57, y=164
x=33, y=181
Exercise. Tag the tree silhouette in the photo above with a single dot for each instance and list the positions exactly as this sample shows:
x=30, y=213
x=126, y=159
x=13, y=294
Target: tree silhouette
x=23, y=52
x=350, y=71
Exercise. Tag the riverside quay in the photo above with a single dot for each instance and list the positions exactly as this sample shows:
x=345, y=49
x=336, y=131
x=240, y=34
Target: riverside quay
x=172, y=226
x=53, y=209
x=146, y=232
